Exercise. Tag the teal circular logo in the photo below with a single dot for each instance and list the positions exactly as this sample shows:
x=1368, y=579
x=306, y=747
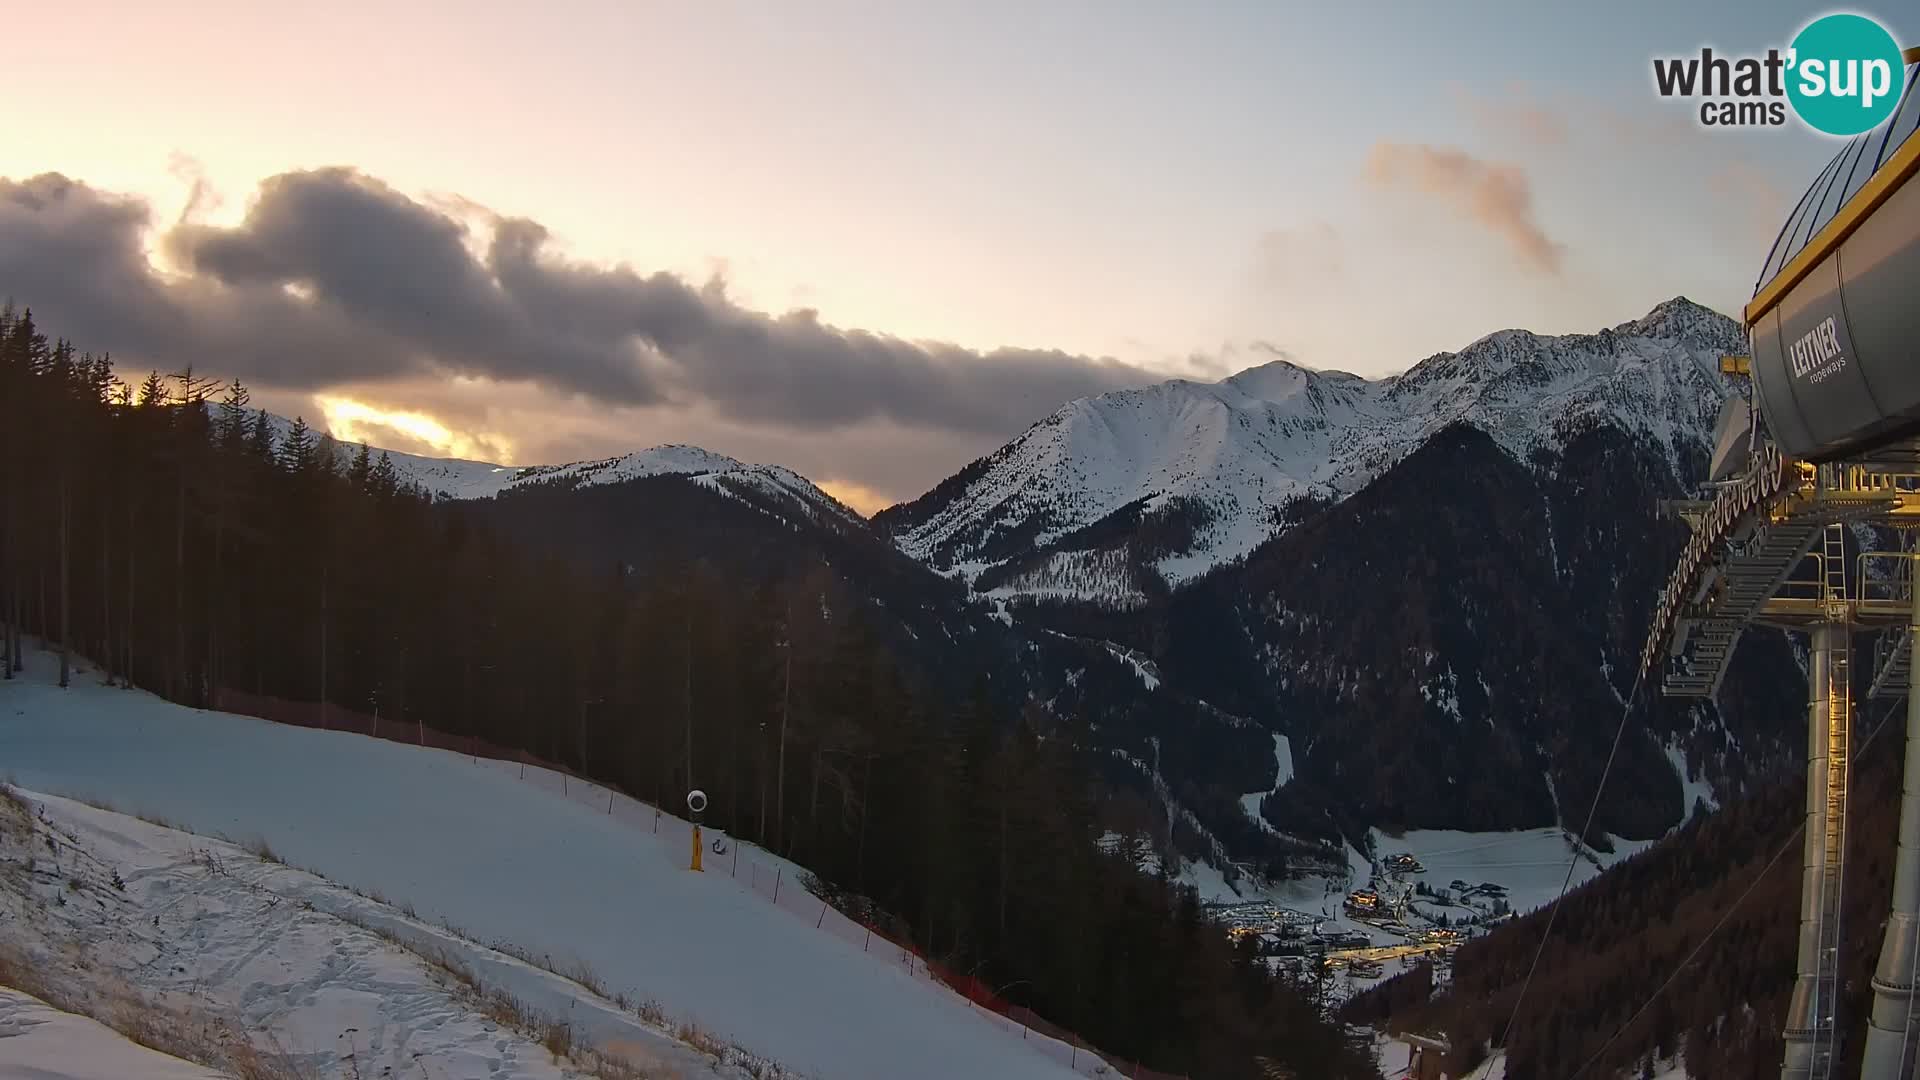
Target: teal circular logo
x=1844, y=74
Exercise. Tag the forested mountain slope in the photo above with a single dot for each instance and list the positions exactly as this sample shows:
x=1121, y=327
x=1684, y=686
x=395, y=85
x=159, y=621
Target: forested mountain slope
x=166, y=530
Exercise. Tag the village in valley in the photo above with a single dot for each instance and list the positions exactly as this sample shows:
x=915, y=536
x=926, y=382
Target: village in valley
x=1376, y=929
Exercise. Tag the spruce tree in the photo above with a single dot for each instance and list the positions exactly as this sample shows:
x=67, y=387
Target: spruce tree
x=260, y=439
x=153, y=391
x=233, y=417
x=296, y=452
x=326, y=456
x=385, y=479
x=361, y=472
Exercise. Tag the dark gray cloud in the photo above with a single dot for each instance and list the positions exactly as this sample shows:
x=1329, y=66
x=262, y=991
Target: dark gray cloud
x=334, y=276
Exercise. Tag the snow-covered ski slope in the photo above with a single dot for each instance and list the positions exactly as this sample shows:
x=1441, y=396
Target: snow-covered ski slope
x=512, y=860
x=44, y=1043
x=125, y=920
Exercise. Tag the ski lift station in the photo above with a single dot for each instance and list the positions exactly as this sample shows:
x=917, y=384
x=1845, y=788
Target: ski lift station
x=1819, y=446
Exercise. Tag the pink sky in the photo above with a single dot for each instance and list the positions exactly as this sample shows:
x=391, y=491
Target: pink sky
x=1102, y=180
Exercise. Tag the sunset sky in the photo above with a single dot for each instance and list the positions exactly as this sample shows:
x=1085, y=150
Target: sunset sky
x=867, y=240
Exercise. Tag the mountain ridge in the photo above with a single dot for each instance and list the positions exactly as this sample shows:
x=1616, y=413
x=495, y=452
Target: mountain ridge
x=1231, y=455
x=466, y=479
x=1192, y=573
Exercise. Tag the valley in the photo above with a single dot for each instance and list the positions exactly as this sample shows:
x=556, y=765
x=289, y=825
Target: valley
x=1197, y=570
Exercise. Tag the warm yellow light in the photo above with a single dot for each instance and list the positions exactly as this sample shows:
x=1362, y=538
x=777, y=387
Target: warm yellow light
x=859, y=498
x=356, y=421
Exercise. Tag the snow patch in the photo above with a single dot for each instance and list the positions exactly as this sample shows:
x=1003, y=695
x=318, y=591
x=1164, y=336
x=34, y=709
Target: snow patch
x=275, y=950
x=1144, y=668
x=1530, y=864
x=1692, y=790
x=1283, y=772
x=42, y=1042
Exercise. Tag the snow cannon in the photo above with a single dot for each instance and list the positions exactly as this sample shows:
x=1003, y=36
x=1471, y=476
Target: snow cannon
x=1834, y=325
x=697, y=804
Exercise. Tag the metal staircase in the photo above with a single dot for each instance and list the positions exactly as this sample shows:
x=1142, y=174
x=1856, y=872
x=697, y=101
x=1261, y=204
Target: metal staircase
x=1753, y=574
x=1893, y=651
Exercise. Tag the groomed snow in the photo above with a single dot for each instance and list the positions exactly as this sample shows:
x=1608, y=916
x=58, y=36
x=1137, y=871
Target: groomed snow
x=271, y=949
x=514, y=860
x=40, y=1042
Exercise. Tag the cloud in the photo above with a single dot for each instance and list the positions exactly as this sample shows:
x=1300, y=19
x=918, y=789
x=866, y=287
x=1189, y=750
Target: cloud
x=1516, y=115
x=876, y=462
x=335, y=277
x=407, y=429
x=201, y=198
x=1494, y=195
x=863, y=499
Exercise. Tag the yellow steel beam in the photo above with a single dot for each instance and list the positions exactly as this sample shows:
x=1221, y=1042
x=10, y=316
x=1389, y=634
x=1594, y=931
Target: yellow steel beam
x=1894, y=173
x=1799, y=609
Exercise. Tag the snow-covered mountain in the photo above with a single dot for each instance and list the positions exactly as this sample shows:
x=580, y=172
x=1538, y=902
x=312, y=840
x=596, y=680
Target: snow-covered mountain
x=1322, y=527
x=1206, y=472
x=775, y=485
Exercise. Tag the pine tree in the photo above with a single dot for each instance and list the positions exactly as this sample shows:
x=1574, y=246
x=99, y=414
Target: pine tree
x=233, y=417
x=296, y=451
x=360, y=474
x=153, y=391
x=962, y=824
x=385, y=479
x=326, y=456
x=260, y=439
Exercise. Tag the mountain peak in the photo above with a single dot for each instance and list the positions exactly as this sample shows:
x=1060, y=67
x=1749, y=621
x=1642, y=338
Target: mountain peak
x=1202, y=473
x=1682, y=320
x=458, y=478
x=1275, y=380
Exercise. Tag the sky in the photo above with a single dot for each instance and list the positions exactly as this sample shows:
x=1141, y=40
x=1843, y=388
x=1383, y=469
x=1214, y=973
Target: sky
x=869, y=241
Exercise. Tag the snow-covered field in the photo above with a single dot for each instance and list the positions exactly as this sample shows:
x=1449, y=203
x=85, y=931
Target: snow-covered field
x=45, y=1043
x=1531, y=865
x=518, y=861
x=120, y=913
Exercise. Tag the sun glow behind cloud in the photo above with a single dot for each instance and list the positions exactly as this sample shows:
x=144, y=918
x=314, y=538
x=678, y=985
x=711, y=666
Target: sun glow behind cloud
x=356, y=421
x=862, y=499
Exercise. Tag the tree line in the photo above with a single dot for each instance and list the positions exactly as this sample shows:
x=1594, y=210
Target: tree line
x=177, y=539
